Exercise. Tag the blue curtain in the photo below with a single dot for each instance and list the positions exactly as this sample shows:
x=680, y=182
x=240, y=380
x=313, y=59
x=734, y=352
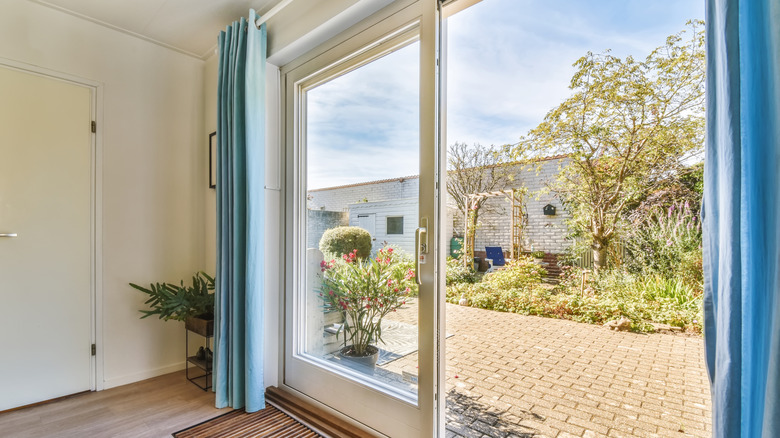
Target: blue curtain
x=238, y=336
x=741, y=212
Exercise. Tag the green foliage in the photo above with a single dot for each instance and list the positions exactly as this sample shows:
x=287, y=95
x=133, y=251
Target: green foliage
x=179, y=302
x=402, y=264
x=339, y=241
x=627, y=126
x=609, y=295
x=457, y=273
x=365, y=290
x=538, y=254
x=667, y=243
x=640, y=298
x=522, y=273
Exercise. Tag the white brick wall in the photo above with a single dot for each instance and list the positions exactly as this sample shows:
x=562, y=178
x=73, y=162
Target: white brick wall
x=543, y=233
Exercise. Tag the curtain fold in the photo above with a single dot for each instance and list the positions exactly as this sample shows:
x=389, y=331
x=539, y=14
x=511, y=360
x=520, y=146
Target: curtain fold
x=741, y=216
x=238, y=337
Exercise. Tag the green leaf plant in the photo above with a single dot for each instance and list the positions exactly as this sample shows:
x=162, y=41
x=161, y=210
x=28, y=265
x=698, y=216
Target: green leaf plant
x=179, y=302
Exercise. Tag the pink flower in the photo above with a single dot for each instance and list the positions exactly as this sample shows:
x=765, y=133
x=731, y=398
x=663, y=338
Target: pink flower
x=368, y=306
x=389, y=250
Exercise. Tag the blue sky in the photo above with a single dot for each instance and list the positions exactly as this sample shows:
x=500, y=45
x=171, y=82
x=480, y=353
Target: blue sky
x=509, y=63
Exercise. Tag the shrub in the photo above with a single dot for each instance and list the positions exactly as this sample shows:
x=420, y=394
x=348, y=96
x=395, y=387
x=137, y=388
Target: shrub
x=667, y=242
x=403, y=263
x=609, y=295
x=366, y=290
x=339, y=241
x=522, y=273
x=457, y=273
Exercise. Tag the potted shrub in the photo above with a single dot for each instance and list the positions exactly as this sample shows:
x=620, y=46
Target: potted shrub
x=365, y=290
x=538, y=256
x=192, y=304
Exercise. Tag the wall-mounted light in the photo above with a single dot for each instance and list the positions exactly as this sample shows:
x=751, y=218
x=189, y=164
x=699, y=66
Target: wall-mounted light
x=549, y=210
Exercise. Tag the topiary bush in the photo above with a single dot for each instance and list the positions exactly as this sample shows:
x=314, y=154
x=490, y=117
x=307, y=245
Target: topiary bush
x=338, y=241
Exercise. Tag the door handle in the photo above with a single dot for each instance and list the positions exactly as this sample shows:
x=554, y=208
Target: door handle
x=8, y=235
x=417, y=252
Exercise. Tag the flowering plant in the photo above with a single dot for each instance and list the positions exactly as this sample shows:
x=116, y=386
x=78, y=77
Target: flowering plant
x=365, y=290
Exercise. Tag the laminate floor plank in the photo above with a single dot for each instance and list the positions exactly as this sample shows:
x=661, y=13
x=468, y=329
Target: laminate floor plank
x=152, y=408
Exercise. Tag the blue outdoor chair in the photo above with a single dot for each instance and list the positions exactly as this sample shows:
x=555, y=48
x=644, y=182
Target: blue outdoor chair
x=496, y=254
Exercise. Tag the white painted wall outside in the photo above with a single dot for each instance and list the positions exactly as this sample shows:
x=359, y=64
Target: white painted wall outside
x=381, y=210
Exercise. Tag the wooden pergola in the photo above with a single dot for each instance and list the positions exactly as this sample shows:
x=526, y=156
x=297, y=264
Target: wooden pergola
x=515, y=197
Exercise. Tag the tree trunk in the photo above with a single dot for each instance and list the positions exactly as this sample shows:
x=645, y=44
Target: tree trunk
x=471, y=237
x=599, y=248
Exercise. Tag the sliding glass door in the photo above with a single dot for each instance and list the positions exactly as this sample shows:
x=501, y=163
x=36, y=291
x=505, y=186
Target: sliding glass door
x=362, y=225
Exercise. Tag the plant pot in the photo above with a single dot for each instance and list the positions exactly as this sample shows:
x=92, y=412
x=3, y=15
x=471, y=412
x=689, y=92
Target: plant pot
x=203, y=327
x=369, y=360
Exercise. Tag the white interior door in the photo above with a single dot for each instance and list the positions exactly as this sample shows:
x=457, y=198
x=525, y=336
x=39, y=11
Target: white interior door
x=45, y=248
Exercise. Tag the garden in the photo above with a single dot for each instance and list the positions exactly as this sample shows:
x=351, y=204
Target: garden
x=654, y=281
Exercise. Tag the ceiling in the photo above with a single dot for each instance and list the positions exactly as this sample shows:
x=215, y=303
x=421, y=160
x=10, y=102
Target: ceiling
x=187, y=26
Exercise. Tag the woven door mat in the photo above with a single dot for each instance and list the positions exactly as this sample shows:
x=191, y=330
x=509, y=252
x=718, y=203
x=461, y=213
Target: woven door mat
x=268, y=423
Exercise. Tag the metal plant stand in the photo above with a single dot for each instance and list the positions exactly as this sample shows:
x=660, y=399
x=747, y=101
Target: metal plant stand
x=202, y=379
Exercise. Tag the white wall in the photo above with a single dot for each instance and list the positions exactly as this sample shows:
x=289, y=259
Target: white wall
x=406, y=208
x=153, y=169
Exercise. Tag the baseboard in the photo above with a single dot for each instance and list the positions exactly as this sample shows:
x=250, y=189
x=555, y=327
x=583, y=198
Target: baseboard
x=143, y=375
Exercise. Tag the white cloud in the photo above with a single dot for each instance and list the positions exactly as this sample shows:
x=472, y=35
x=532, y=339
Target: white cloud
x=509, y=63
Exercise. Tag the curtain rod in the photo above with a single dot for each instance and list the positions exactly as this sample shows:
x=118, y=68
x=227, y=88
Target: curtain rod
x=273, y=11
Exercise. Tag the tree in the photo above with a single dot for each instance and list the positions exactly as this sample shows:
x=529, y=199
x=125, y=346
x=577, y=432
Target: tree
x=627, y=128
x=473, y=170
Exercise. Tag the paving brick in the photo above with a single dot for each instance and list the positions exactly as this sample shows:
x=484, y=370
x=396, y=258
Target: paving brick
x=522, y=376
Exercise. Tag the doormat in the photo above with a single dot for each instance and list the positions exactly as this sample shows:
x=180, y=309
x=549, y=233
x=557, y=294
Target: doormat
x=268, y=423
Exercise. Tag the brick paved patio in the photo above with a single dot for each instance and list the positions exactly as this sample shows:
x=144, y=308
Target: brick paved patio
x=510, y=375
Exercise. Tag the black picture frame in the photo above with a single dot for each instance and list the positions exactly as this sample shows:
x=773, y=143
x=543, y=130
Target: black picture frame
x=213, y=160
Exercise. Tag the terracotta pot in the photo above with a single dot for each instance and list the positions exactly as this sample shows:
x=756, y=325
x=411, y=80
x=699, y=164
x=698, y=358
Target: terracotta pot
x=369, y=360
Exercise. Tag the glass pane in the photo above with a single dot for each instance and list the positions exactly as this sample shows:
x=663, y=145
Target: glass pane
x=362, y=187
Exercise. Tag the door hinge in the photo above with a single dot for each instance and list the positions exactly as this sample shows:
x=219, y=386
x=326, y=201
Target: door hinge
x=94, y=349
x=94, y=126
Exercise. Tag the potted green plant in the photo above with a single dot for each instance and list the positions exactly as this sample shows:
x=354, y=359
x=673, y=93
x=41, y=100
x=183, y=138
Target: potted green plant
x=365, y=291
x=192, y=304
x=538, y=256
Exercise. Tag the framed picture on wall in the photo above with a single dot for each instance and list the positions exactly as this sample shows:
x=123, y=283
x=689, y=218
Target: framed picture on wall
x=213, y=160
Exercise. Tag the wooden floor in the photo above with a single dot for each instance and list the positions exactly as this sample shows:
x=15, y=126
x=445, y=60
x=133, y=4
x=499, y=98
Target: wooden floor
x=152, y=408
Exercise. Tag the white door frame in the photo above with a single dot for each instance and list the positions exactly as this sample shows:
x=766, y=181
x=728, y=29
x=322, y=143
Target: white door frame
x=96, y=207
x=405, y=16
